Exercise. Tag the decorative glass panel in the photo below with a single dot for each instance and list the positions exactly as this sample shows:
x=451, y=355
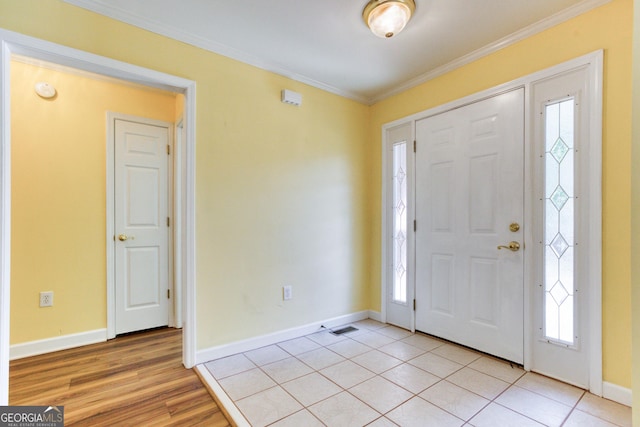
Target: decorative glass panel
x=400, y=222
x=559, y=223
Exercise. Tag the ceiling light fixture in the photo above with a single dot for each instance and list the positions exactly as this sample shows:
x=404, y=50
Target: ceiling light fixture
x=387, y=18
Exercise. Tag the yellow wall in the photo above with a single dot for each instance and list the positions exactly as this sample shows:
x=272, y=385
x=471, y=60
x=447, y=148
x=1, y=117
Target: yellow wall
x=58, y=196
x=635, y=215
x=608, y=27
x=291, y=195
x=281, y=191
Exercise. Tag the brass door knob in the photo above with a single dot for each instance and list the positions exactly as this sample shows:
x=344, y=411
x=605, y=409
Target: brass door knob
x=122, y=237
x=512, y=246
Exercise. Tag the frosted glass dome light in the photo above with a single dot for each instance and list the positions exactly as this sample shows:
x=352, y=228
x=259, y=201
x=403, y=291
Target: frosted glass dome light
x=387, y=18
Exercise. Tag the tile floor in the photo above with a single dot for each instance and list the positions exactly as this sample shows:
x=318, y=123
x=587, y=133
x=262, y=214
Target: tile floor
x=381, y=376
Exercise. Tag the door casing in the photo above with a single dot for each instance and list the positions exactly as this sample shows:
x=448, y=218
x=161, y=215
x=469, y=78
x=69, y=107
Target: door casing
x=15, y=43
x=594, y=62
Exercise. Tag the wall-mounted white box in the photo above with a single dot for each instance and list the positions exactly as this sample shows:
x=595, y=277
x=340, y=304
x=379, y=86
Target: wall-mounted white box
x=291, y=97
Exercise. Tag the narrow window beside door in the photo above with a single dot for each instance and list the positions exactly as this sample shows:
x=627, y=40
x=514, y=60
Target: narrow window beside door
x=400, y=222
x=559, y=248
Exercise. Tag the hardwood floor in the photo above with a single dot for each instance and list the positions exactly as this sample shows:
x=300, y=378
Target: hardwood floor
x=133, y=380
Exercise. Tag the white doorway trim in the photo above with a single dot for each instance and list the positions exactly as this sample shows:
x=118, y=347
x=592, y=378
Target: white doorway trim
x=595, y=63
x=15, y=43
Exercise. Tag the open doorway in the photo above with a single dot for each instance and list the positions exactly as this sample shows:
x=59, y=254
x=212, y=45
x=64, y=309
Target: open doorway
x=15, y=44
x=60, y=146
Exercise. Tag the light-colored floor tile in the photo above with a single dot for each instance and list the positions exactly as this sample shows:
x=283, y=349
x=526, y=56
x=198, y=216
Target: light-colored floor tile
x=298, y=345
x=299, y=419
x=286, y=370
x=349, y=348
x=542, y=409
x=548, y=387
x=402, y=350
x=311, y=388
x=373, y=339
x=411, y=378
x=419, y=413
x=347, y=374
x=325, y=338
x=436, y=365
x=457, y=354
x=382, y=395
x=225, y=367
x=477, y=382
x=498, y=416
x=369, y=324
x=246, y=383
x=423, y=342
x=456, y=400
x=497, y=368
x=389, y=365
x=376, y=361
x=382, y=422
x=605, y=409
x=343, y=410
x=266, y=355
x=582, y=419
x=267, y=406
x=320, y=358
x=394, y=332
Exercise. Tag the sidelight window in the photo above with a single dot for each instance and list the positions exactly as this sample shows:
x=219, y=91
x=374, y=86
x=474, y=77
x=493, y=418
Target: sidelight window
x=559, y=223
x=399, y=209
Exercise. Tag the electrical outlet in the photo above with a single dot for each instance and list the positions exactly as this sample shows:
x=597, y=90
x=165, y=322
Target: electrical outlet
x=287, y=293
x=46, y=299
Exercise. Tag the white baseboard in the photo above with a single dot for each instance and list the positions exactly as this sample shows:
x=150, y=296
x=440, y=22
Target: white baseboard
x=617, y=393
x=375, y=315
x=236, y=347
x=49, y=345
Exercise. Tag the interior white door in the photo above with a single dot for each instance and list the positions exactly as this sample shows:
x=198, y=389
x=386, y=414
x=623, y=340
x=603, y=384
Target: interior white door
x=141, y=249
x=469, y=213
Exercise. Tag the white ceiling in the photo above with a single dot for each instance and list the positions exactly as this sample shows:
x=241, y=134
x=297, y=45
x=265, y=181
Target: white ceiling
x=326, y=44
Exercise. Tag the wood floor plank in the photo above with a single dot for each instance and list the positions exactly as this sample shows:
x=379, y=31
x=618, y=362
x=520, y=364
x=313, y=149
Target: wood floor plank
x=132, y=380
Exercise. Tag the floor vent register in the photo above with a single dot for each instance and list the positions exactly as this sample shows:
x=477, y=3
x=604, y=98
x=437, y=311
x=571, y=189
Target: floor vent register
x=344, y=330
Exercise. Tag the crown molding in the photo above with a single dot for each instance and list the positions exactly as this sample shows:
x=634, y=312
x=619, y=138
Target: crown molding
x=509, y=40
x=206, y=44
x=118, y=14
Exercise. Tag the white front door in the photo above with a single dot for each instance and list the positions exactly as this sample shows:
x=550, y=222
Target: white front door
x=141, y=229
x=469, y=215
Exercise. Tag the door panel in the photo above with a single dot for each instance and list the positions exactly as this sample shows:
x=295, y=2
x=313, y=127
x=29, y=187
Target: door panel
x=483, y=274
x=442, y=283
x=141, y=278
x=442, y=205
x=141, y=261
x=469, y=189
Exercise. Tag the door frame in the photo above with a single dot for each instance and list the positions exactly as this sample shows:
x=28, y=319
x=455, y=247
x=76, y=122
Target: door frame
x=594, y=62
x=16, y=43
x=387, y=219
x=111, y=218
